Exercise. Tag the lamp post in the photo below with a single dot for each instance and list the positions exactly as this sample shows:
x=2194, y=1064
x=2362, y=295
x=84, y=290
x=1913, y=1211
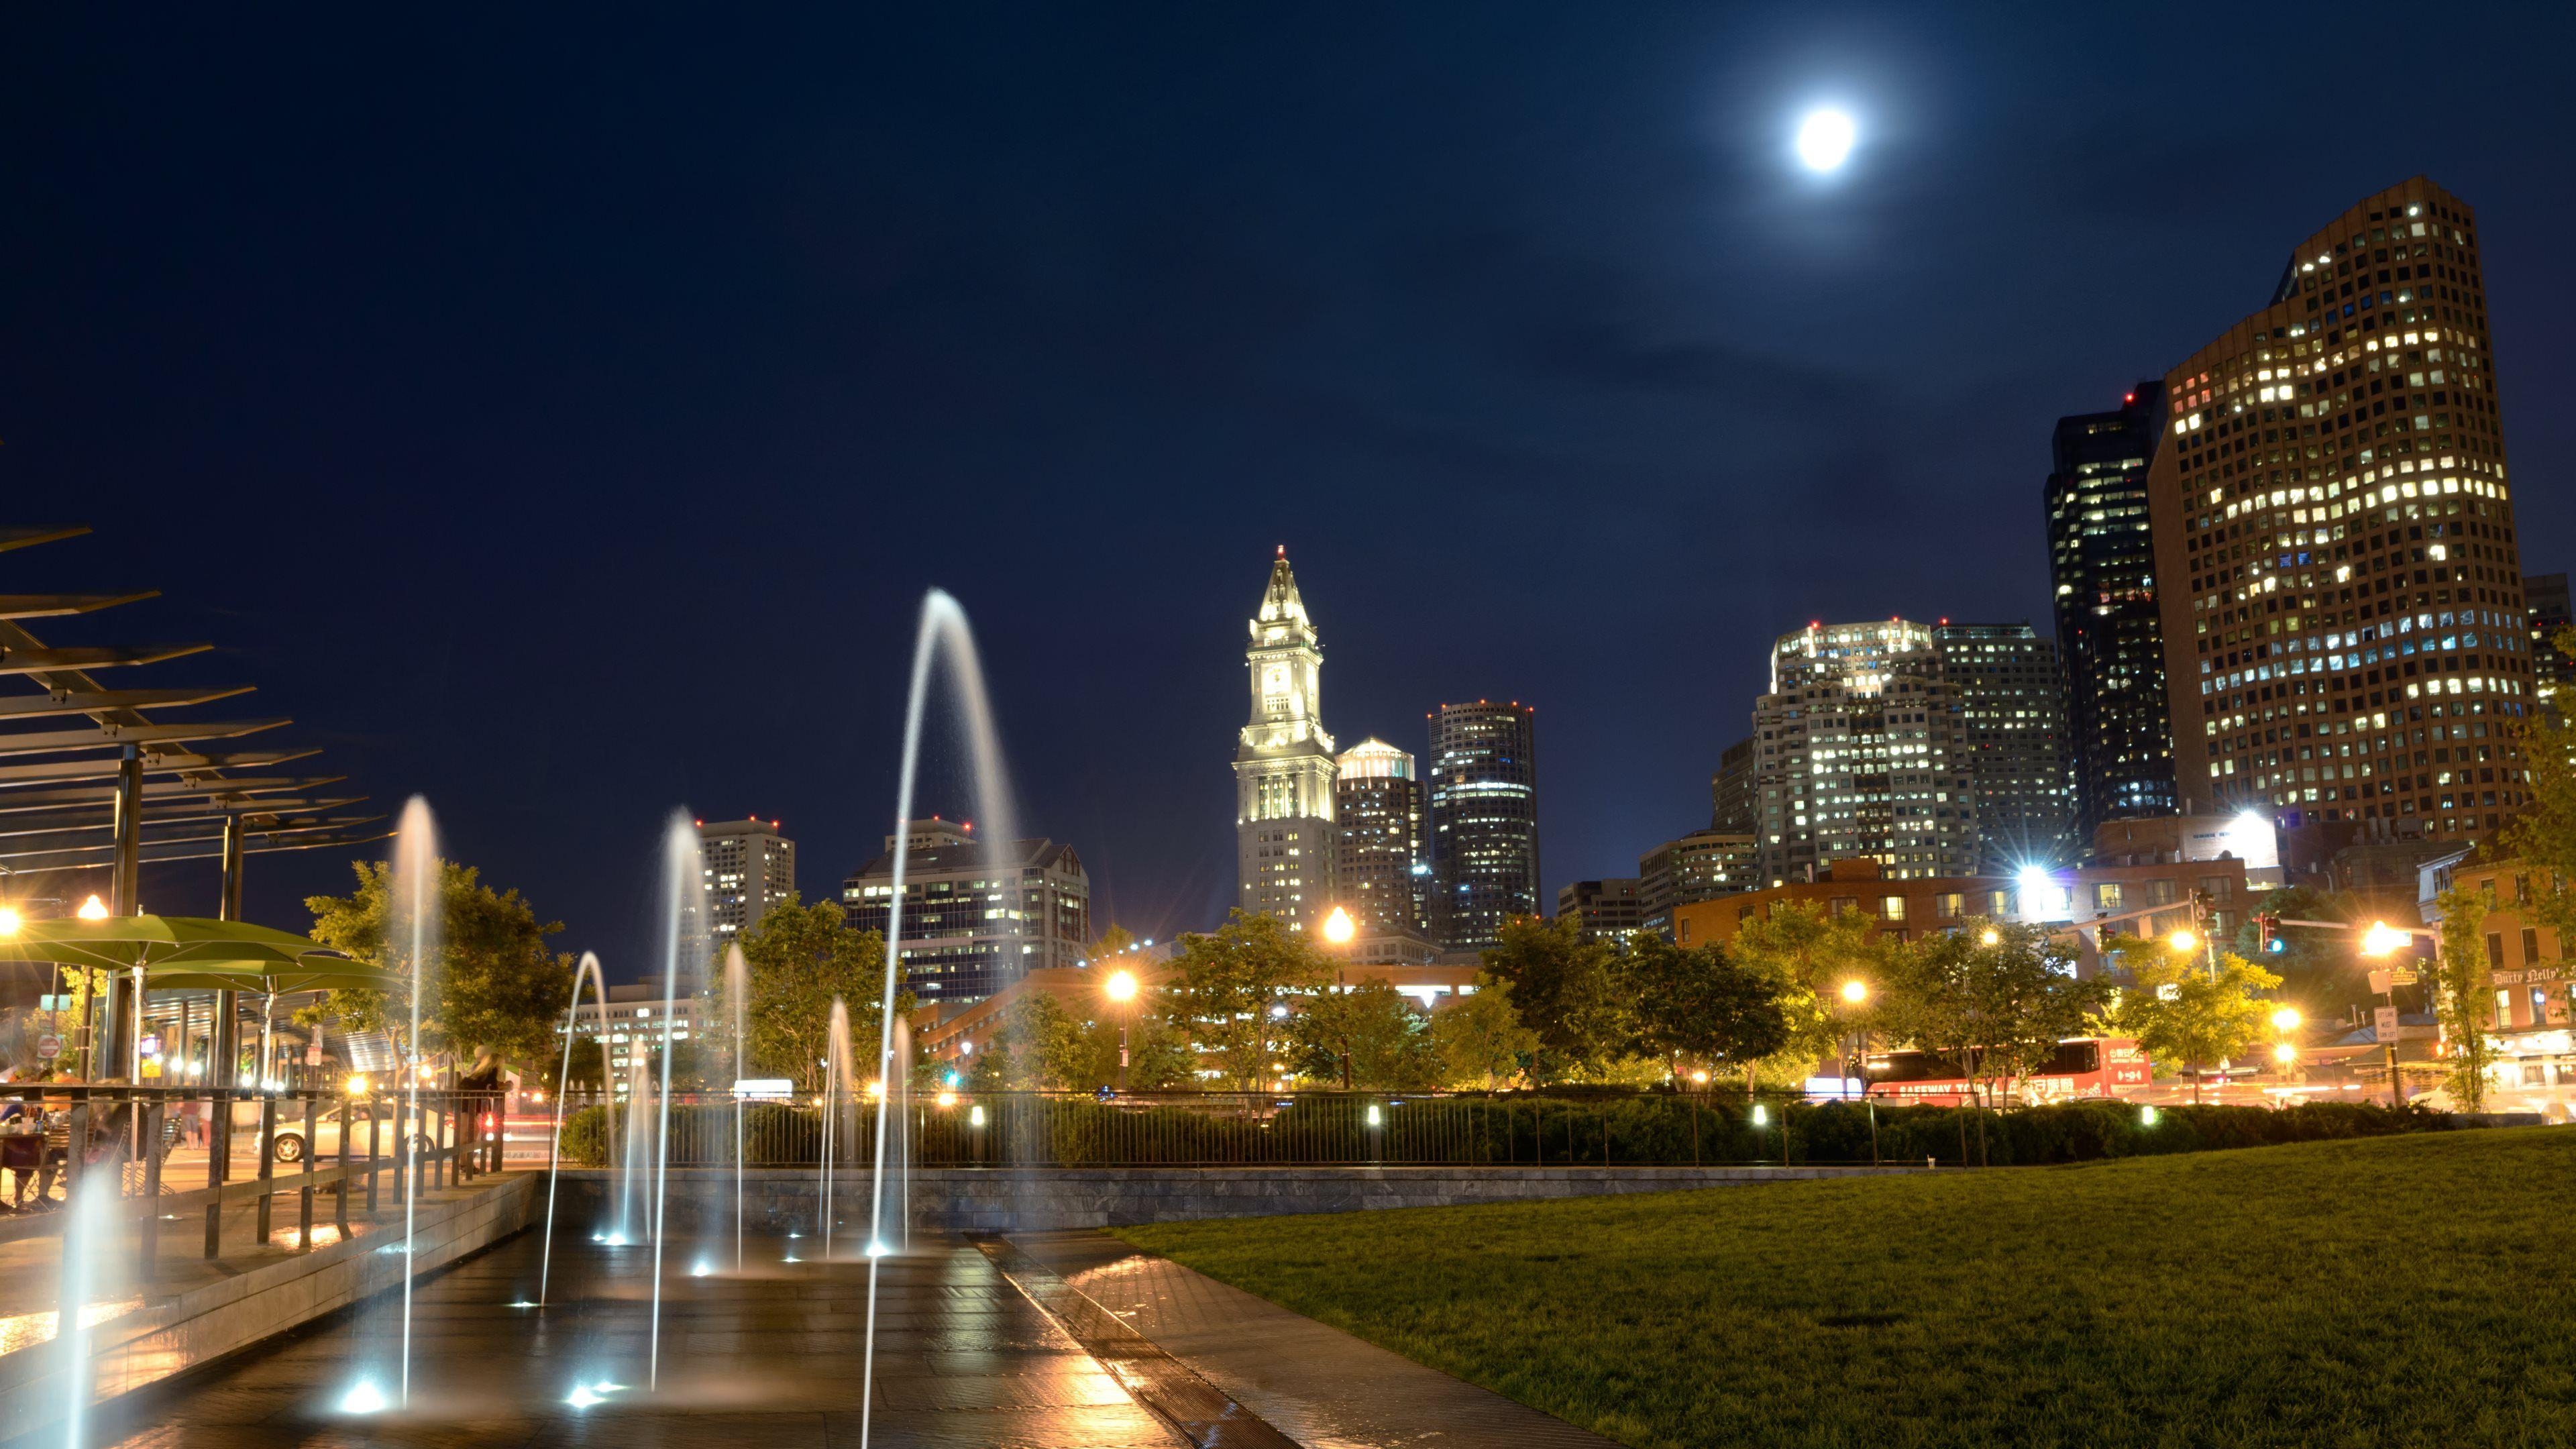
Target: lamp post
x=1855, y=996
x=2383, y=939
x=1121, y=988
x=1338, y=931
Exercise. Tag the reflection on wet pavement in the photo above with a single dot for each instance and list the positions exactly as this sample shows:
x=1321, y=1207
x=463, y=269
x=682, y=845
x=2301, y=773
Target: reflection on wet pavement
x=770, y=1357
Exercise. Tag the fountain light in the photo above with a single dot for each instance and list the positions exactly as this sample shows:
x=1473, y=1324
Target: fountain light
x=700, y=1269
x=524, y=1303
x=363, y=1397
x=583, y=1396
x=878, y=1250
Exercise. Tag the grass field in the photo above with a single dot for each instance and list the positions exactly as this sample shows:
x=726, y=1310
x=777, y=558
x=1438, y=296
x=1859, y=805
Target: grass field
x=2392, y=1291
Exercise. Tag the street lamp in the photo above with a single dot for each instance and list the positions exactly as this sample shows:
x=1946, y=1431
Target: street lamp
x=92, y=909
x=1855, y=995
x=1990, y=937
x=9, y=920
x=1121, y=987
x=2286, y=1019
x=1338, y=928
x=2183, y=941
x=2383, y=939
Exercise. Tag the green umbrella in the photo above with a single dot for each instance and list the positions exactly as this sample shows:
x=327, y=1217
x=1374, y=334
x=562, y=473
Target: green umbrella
x=192, y=953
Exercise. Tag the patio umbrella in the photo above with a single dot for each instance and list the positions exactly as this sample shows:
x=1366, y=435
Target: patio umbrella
x=192, y=953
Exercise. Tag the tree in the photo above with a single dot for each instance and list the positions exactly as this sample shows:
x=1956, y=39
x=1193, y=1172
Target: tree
x=798, y=958
x=1039, y=1046
x=2182, y=1012
x=1569, y=993
x=1233, y=984
x=1998, y=1000
x=1480, y=1037
x=1807, y=955
x=1367, y=1037
x=492, y=984
x=2460, y=999
x=1699, y=1004
x=1158, y=1047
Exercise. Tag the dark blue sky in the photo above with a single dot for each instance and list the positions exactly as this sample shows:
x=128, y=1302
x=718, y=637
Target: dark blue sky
x=560, y=416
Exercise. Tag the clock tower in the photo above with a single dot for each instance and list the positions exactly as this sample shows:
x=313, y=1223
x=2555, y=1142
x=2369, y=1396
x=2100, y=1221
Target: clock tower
x=1283, y=768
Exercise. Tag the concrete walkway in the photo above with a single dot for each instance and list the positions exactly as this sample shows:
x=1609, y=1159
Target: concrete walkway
x=1318, y=1386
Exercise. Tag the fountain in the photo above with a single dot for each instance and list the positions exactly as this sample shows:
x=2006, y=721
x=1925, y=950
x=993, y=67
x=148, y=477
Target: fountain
x=942, y=631
x=737, y=986
x=835, y=1103
x=587, y=969
x=684, y=925
x=87, y=1241
x=412, y=919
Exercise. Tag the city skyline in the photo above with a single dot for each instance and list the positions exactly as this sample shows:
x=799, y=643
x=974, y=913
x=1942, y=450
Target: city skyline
x=1515, y=411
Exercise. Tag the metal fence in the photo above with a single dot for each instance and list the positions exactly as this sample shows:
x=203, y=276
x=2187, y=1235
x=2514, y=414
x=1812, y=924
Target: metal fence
x=174, y=1151
x=1209, y=1129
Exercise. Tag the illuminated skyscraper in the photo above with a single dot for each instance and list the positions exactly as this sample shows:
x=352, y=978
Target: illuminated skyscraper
x=1380, y=873
x=749, y=867
x=1283, y=766
x=2012, y=741
x=2102, y=562
x=2345, y=633
x=1484, y=820
x=1858, y=753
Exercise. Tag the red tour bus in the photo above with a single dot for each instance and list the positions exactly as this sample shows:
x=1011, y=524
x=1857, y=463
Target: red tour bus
x=2081, y=1068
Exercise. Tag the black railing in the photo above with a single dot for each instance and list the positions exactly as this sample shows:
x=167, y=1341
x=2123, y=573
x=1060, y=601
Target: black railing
x=259, y=1147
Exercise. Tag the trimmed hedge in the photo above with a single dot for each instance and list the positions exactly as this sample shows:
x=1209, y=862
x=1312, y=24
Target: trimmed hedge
x=1595, y=1128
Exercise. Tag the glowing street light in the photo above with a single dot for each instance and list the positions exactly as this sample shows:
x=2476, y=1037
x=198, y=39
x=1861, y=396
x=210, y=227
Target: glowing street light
x=1855, y=992
x=1121, y=986
x=93, y=909
x=2285, y=1054
x=1825, y=139
x=2383, y=939
x=1338, y=928
x=9, y=920
x=2183, y=941
x=2286, y=1019
x=1990, y=937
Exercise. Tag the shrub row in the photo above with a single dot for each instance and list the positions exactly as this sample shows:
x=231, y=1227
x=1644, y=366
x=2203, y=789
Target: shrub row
x=1630, y=1128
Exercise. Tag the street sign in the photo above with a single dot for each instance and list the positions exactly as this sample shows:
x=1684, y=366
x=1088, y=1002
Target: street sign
x=2384, y=1022
x=313, y=1054
x=2381, y=980
x=49, y=1046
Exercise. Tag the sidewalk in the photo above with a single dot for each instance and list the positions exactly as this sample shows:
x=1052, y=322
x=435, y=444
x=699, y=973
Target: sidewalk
x=1317, y=1385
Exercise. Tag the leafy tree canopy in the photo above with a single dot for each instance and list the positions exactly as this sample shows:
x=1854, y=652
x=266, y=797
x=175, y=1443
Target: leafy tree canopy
x=798, y=960
x=1569, y=993
x=491, y=986
x=1480, y=1038
x=1371, y=1030
x=1233, y=984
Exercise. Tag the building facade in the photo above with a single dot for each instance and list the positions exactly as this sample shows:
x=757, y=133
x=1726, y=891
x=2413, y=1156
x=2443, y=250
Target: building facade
x=1733, y=796
x=1858, y=753
x=749, y=867
x=977, y=914
x=1484, y=821
x=2110, y=634
x=1380, y=872
x=2544, y=598
x=2345, y=633
x=1700, y=866
x=1602, y=910
x=2012, y=734
x=1284, y=764
x=2528, y=977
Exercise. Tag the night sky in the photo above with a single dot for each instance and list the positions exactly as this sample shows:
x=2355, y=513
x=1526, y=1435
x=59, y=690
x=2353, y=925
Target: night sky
x=561, y=417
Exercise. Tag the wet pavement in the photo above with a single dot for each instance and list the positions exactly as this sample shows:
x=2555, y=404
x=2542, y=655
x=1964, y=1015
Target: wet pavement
x=769, y=1357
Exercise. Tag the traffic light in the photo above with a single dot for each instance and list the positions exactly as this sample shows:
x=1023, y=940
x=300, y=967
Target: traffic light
x=2267, y=934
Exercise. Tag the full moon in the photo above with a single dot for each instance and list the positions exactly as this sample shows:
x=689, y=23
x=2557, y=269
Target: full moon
x=1825, y=139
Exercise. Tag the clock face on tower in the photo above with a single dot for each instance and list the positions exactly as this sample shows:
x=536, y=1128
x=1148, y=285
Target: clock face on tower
x=1274, y=680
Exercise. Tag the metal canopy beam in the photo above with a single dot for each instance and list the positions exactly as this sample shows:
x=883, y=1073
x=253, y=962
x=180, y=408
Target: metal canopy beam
x=25, y=537
x=13, y=802
x=57, y=741
x=64, y=835
x=93, y=701
x=67, y=770
x=55, y=606
x=162, y=812
x=199, y=848
x=23, y=659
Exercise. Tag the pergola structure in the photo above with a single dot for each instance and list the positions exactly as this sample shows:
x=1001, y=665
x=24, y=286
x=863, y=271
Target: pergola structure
x=93, y=779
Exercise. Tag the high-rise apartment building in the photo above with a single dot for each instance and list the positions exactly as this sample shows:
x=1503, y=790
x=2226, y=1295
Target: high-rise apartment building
x=749, y=867
x=1484, y=820
x=2102, y=562
x=2345, y=632
x=1700, y=866
x=1858, y=754
x=977, y=914
x=2012, y=698
x=1732, y=794
x=1380, y=872
x=1283, y=764
x=2544, y=598
x=1602, y=910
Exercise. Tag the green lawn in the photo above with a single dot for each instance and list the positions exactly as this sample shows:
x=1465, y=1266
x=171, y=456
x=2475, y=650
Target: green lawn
x=2391, y=1291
